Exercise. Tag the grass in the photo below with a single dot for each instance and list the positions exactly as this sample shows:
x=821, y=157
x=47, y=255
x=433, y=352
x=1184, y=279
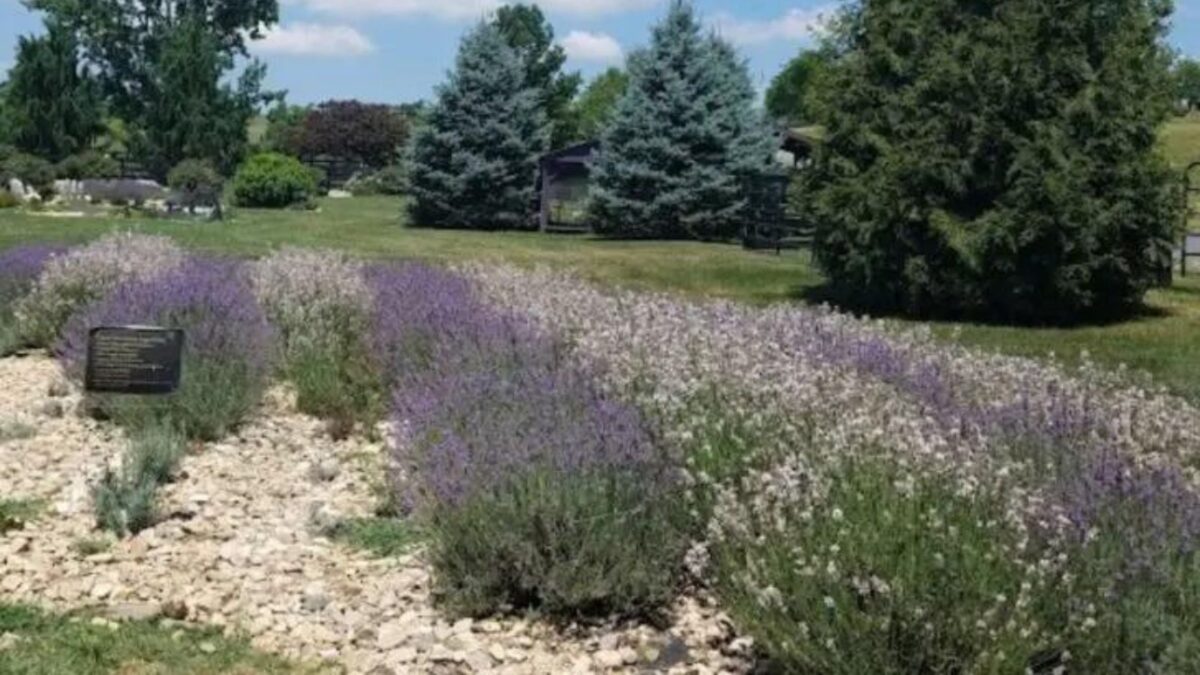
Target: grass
x=373, y=227
x=381, y=537
x=15, y=513
x=48, y=644
x=15, y=431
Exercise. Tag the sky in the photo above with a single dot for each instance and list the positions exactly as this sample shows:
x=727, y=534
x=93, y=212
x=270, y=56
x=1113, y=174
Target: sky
x=396, y=51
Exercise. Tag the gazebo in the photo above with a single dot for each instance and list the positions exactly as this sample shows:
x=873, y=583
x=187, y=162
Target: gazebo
x=563, y=183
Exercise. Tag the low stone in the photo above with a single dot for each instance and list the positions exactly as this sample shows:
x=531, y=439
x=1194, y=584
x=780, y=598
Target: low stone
x=324, y=471
x=133, y=611
x=58, y=389
x=609, y=658
x=208, y=648
x=53, y=409
x=391, y=635
x=315, y=599
x=9, y=640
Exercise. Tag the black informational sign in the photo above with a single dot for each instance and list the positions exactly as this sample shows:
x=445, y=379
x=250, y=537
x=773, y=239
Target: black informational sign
x=134, y=360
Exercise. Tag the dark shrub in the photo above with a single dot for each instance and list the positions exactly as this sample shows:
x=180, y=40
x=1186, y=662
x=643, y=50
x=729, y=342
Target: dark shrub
x=272, y=180
x=34, y=172
x=1037, y=197
x=228, y=349
x=88, y=165
x=196, y=183
x=538, y=489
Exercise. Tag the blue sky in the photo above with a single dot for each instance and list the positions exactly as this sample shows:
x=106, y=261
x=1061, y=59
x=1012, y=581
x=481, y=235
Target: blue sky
x=398, y=50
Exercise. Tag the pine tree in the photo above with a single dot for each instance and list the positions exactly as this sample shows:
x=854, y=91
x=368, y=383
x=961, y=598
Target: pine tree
x=683, y=140
x=995, y=160
x=474, y=165
x=54, y=107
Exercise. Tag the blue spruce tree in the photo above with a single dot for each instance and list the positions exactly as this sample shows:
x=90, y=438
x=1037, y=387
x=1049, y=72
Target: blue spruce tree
x=683, y=140
x=475, y=164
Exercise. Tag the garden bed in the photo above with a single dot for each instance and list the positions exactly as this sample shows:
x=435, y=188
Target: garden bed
x=243, y=548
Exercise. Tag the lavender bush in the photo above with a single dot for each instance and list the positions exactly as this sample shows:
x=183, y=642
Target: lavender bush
x=845, y=470
x=539, y=489
x=228, y=351
x=320, y=305
x=84, y=275
x=19, y=269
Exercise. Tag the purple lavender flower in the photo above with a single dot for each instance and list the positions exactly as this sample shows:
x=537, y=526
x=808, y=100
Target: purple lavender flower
x=19, y=269
x=483, y=398
x=229, y=345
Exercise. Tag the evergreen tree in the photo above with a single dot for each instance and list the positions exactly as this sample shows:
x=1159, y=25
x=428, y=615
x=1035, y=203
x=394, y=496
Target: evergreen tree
x=475, y=162
x=190, y=113
x=53, y=106
x=946, y=188
x=683, y=140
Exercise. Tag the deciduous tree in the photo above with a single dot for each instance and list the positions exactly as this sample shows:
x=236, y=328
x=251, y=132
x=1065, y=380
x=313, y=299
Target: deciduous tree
x=527, y=31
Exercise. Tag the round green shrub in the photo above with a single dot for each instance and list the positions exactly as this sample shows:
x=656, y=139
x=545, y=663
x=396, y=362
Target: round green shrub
x=196, y=181
x=273, y=181
x=88, y=165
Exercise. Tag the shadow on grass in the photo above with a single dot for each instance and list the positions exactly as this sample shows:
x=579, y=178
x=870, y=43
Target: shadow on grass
x=845, y=302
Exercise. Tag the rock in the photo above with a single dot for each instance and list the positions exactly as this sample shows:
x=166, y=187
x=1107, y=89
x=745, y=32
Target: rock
x=58, y=389
x=324, y=471
x=391, y=635
x=208, y=648
x=339, y=194
x=175, y=610
x=315, y=599
x=9, y=640
x=609, y=658
x=53, y=409
x=17, y=188
x=133, y=611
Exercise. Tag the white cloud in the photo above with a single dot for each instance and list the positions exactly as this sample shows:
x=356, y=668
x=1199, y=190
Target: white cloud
x=594, y=47
x=314, y=39
x=796, y=25
x=463, y=9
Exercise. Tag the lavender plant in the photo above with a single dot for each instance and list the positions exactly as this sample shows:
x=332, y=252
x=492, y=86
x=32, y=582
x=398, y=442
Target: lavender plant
x=834, y=458
x=538, y=489
x=320, y=305
x=19, y=269
x=84, y=275
x=228, y=352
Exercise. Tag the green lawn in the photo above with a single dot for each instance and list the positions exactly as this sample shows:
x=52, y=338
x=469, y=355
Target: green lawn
x=47, y=644
x=1165, y=343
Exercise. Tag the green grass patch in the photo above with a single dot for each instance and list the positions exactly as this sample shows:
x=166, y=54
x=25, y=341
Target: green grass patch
x=15, y=513
x=57, y=645
x=382, y=537
x=11, y=430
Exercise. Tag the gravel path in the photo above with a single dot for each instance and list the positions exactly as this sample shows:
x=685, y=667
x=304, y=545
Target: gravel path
x=243, y=550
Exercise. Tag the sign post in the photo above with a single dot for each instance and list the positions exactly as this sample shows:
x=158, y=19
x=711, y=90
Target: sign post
x=134, y=360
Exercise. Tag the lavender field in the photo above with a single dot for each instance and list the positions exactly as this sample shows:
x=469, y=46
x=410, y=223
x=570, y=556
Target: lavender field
x=847, y=496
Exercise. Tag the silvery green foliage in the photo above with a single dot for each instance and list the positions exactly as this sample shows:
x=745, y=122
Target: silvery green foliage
x=475, y=164
x=683, y=140
x=84, y=275
x=862, y=483
x=315, y=299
